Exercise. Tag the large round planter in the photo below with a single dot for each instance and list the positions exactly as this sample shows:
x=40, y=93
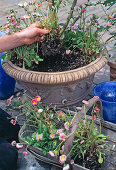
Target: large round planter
x=112, y=65
x=60, y=88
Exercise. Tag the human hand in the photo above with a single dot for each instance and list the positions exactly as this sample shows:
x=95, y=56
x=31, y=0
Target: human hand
x=32, y=34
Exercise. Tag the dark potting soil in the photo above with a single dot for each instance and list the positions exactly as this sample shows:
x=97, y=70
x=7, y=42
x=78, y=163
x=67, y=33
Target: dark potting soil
x=55, y=58
x=90, y=162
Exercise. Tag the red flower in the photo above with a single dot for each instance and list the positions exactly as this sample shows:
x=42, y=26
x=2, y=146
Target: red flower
x=96, y=97
x=13, y=122
x=39, y=4
x=38, y=98
x=93, y=117
x=87, y=28
x=13, y=143
x=59, y=114
x=83, y=10
x=96, y=109
x=34, y=102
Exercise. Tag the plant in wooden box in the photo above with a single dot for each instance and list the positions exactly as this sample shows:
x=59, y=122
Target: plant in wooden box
x=63, y=138
x=52, y=66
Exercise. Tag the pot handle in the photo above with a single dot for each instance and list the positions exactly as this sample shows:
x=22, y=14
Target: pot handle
x=69, y=141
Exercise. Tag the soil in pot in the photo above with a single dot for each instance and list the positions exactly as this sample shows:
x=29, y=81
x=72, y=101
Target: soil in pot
x=55, y=58
x=90, y=162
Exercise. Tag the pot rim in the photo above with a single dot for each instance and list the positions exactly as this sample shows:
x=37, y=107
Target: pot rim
x=54, y=77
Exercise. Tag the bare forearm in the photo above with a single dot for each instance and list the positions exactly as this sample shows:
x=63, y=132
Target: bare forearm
x=8, y=42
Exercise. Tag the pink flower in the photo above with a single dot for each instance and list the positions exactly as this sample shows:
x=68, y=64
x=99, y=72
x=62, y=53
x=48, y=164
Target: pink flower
x=9, y=17
x=30, y=2
x=50, y=104
x=61, y=151
x=18, y=26
x=34, y=9
x=19, y=146
x=79, y=108
x=72, y=27
x=72, y=162
x=111, y=17
x=84, y=122
x=7, y=30
x=5, y=25
x=68, y=52
x=62, y=158
x=66, y=167
x=96, y=109
x=52, y=135
x=24, y=99
x=14, y=22
x=83, y=10
x=25, y=153
x=21, y=106
x=40, y=110
x=34, y=102
x=22, y=17
x=9, y=100
x=13, y=122
x=62, y=136
x=75, y=8
x=86, y=3
x=13, y=143
x=59, y=131
x=96, y=97
x=87, y=28
x=93, y=117
x=66, y=125
x=39, y=4
x=85, y=102
x=109, y=24
x=59, y=114
x=51, y=153
x=39, y=136
x=38, y=98
x=76, y=26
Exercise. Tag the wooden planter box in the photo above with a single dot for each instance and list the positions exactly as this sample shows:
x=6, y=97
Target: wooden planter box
x=108, y=129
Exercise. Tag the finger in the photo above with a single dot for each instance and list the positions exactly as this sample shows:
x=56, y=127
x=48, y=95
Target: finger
x=42, y=31
x=39, y=38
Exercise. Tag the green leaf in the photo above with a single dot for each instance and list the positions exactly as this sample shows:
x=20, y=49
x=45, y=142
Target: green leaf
x=40, y=59
x=97, y=50
x=100, y=160
x=28, y=62
x=61, y=24
x=44, y=152
x=93, y=58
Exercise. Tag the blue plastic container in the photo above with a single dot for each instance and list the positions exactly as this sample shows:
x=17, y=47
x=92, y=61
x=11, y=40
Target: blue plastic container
x=107, y=94
x=7, y=83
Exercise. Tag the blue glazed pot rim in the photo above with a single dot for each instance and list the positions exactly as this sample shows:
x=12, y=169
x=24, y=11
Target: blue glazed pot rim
x=107, y=82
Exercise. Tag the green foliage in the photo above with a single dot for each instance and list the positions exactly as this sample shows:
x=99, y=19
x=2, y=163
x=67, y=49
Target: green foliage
x=80, y=30
x=109, y=2
x=45, y=124
x=88, y=141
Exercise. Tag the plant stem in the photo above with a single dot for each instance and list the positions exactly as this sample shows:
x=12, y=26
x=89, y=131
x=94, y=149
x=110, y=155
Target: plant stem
x=68, y=18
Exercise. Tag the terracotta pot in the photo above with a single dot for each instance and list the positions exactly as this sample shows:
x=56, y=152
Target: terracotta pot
x=60, y=88
x=112, y=65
